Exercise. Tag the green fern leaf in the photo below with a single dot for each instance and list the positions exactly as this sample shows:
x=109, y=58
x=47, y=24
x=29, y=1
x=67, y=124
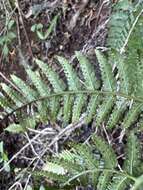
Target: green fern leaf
x=26, y=91
x=108, y=84
x=131, y=116
x=15, y=97
x=6, y=105
x=120, y=23
x=106, y=151
x=67, y=155
x=91, y=81
x=103, y=180
x=133, y=156
x=38, y=83
x=91, y=108
x=116, y=115
x=89, y=160
x=50, y=175
x=104, y=110
x=74, y=84
x=54, y=168
x=72, y=78
x=57, y=83
x=67, y=110
x=119, y=182
x=77, y=107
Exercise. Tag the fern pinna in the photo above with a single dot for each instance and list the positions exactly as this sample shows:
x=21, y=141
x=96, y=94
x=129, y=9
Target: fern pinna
x=114, y=99
x=97, y=165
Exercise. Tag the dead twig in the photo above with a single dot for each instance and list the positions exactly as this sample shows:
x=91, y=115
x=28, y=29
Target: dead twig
x=64, y=132
x=25, y=32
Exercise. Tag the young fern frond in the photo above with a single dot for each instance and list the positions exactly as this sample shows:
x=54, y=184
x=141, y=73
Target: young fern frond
x=82, y=163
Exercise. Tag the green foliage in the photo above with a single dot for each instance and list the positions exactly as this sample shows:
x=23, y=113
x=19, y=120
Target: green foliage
x=38, y=28
x=83, y=162
x=115, y=98
x=7, y=38
x=71, y=99
x=120, y=23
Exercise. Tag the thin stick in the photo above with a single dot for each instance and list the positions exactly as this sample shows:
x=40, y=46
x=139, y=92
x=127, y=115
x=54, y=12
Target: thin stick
x=22, y=22
x=66, y=131
x=9, y=82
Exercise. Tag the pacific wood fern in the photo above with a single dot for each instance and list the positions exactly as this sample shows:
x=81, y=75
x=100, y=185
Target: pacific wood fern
x=97, y=165
x=116, y=98
x=107, y=100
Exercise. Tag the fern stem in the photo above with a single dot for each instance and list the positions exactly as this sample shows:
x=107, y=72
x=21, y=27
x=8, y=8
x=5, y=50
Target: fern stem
x=88, y=92
x=99, y=170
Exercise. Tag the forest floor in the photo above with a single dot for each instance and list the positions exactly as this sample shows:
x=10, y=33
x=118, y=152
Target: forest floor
x=81, y=26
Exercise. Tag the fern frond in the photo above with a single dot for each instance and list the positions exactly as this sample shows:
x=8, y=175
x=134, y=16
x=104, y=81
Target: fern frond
x=91, y=108
x=72, y=78
x=131, y=116
x=14, y=96
x=109, y=82
x=74, y=84
x=38, y=83
x=26, y=91
x=103, y=180
x=91, y=81
x=68, y=103
x=119, y=182
x=104, y=110
x=106, y=151
x=133, y=156
x=57, y=84
x=116, y=115
x=120, y=23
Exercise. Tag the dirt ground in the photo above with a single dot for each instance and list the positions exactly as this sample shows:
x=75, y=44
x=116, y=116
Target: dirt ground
x=81, y=26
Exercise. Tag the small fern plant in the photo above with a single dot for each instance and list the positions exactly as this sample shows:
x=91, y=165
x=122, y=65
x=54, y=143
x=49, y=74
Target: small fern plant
x=97, y=165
